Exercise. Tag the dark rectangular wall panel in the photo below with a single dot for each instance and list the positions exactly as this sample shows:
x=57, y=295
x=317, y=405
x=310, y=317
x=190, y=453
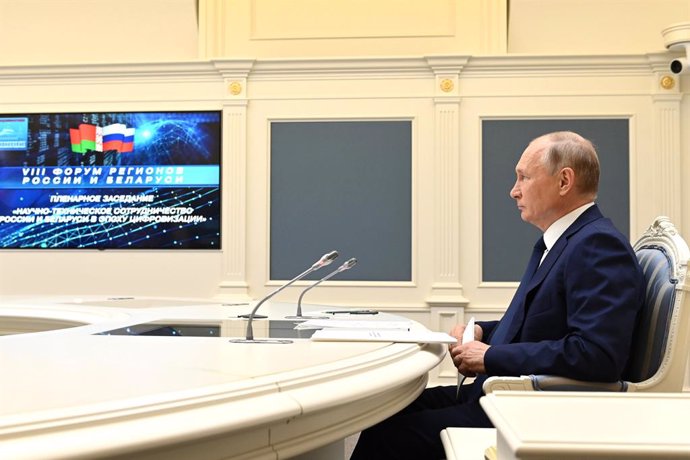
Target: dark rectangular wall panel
x=344, y=185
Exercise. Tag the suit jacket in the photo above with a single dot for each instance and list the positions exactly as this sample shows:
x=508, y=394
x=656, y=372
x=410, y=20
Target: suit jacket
x=576, y=316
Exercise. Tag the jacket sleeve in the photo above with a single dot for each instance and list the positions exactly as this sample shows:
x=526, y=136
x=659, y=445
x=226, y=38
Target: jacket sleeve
x=487, y=328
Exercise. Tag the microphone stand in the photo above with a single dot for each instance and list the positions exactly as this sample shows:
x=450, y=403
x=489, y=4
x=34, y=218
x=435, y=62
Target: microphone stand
x=346, y=266
x=322, y=262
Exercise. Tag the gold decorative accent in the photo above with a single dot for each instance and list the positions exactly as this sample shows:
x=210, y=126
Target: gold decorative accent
x=235, y=88
x=447, y=85
x=667, y=82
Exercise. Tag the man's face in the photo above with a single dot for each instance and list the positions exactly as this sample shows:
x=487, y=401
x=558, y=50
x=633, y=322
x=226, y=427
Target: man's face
x=536, y=191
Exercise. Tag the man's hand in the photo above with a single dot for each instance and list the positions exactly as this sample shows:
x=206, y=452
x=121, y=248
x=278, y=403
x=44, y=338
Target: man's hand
x=469, y=358
x=459, y=329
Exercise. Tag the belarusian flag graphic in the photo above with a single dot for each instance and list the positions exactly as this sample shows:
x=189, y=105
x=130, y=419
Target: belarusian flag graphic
x=75, y=140
x=91, y=137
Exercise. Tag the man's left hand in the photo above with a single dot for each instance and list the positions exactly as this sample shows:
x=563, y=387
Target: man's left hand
x=469, y=358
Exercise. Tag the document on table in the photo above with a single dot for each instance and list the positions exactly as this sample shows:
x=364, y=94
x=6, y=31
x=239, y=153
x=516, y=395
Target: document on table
x=354, y=324
x=382, y=335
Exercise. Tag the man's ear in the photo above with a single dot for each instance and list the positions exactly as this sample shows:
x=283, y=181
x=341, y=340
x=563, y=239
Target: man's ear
x=566, y=181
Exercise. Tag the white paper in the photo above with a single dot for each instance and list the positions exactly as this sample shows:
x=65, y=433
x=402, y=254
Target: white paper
x=468, y=335
x=353, y=324
x=362, y=335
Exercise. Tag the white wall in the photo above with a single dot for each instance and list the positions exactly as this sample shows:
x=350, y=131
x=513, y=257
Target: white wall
x=574, y=27
x=97, y=31
x=446, y=66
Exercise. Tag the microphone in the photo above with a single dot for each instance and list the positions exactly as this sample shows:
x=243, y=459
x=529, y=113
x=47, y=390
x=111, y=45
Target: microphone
x=345, y=266
x=322, y=262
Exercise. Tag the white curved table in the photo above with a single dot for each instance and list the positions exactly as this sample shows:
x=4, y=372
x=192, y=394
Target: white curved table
x=72, y=392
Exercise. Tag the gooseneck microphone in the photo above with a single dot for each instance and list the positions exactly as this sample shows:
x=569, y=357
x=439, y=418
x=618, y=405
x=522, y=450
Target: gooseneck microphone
x=345, y=266
x=326, y=259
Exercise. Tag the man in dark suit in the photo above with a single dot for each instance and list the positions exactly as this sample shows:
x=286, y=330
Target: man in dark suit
x=572, y=315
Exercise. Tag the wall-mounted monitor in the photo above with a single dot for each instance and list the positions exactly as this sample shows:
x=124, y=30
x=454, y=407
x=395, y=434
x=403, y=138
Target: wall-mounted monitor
x=110, y=180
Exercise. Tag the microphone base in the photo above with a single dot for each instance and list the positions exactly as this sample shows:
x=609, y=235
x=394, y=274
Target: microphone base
x=267, y=341
x=307, y=317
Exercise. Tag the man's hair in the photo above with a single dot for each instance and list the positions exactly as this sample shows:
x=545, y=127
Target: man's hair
x=566, y=149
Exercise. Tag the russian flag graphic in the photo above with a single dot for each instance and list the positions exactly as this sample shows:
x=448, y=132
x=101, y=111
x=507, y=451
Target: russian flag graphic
x=113, y=136
x=128, y=142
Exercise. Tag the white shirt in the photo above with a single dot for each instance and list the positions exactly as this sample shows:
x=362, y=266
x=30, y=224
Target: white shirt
x=559, y=227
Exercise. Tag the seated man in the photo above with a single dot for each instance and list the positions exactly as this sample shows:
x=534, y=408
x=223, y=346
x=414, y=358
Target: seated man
x=572, y=315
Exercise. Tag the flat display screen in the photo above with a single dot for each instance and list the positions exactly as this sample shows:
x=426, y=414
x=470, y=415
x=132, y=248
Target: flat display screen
x=276, y=329
x=110, y=180
x=166, y=330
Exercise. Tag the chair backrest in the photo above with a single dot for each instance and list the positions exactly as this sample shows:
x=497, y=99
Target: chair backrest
x=660, y=344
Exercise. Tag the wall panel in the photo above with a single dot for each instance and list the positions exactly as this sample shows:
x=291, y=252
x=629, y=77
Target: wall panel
x=344, y=185
x=82, y=31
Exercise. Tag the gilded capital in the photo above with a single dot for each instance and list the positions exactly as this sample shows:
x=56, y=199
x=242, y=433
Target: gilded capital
x=667, y=82
x=447, y=85
x=235, y=88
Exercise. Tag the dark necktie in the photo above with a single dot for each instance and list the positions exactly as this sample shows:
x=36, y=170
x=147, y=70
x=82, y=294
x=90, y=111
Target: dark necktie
x=499, y=336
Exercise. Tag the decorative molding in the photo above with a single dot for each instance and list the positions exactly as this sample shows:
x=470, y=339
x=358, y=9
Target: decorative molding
x=446, y=193
x=660, y=62
x=149, y=72
x=447, y=301
x=451, y=65
x=668, y=156
x=211, y=30
x=494, y=19
x=234, y=68
x=322, y=68
x=341, y=68
x=667, y=82
x=568, y=66
x=443, y=319
x=447, y=85
x=235, y=88
x=108, y=74
x=446, y=284
x=446, y=287
x=234, y=201
x=666, y=103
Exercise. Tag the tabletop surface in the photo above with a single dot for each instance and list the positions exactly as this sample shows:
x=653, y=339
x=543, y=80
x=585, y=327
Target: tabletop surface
x=64, y=377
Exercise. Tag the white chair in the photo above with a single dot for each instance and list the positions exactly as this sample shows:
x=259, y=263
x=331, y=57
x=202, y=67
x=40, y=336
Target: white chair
x=660, y=343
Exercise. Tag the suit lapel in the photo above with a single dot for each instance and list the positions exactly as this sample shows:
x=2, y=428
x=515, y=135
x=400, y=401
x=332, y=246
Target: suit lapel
x=559, y=246
x=552, y=256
